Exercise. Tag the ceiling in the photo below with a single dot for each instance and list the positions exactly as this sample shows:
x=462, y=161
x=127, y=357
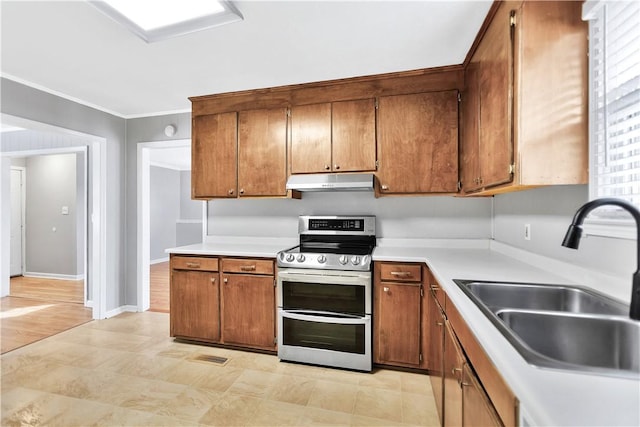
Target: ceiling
x=71, y=49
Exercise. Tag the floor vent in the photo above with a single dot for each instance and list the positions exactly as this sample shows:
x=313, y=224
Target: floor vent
x=210, y=359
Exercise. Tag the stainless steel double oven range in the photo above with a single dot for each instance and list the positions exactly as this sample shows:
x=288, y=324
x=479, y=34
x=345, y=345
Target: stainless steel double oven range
x=324, y=293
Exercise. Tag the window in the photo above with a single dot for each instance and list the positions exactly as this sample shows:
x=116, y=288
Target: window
x=614, y=111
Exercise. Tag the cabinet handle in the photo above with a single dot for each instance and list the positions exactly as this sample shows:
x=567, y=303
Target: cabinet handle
x=434, y=287
x=327, y=167
x=225, y=280
x=336, y=167
x=213, y=280
x=231, y=192
x=385, y=187
x=193, y=264
x=401, y=273
x=462, y=383
x=454, y=370
x=385, y=289
x=439, y=323
x=248, y=267
x=242, y=191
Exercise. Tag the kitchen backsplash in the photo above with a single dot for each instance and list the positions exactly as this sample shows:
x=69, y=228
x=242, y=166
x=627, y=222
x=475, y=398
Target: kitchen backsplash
x=396, y=217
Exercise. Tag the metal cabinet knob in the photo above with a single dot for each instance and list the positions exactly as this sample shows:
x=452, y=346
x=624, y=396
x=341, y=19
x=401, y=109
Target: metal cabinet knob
x=327, y=167
x=336, y=167
x=385, y=187
x=213, y=280
x=242, y=191
x=231, y=192
x=385, y=289
x=225, y=280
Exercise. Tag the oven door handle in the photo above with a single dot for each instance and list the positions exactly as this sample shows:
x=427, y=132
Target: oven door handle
x=302, y=315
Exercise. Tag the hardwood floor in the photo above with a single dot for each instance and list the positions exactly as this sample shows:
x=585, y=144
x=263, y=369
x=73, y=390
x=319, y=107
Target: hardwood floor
x=159, y=287
x=48, y=289
x=38, y=308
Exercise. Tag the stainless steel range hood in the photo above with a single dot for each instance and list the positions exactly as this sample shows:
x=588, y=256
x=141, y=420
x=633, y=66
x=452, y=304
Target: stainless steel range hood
x=331, y=182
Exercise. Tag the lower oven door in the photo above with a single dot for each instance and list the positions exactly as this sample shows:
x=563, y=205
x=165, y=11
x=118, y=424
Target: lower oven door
x=325, y=339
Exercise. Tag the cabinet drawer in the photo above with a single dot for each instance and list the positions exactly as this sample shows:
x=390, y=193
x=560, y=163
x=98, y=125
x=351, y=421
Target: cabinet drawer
x=247, y=266
x=194, y=263
x=401, y=272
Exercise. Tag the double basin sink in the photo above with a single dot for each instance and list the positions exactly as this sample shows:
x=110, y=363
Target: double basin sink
x=561, y=327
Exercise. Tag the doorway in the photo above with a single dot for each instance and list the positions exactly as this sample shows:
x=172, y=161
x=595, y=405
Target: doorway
x=158, y=160
x=94, y=225
x=18, y=188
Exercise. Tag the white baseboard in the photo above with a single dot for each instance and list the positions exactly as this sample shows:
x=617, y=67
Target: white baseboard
x=120, y=310
x=88, y=303
x=159, y=260
x=53, y=276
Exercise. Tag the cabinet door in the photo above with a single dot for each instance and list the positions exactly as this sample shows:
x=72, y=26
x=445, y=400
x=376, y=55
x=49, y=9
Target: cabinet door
x=195, y=311
x=477, y=410
x=494, y=57
x=418, y=143
x=213, y=156
x=469, y=132
x=248, y=310
x=262, y=152
x=311, y=138
x=453, y=362
x=354, y=136
x=435, y=353
x=397, y=323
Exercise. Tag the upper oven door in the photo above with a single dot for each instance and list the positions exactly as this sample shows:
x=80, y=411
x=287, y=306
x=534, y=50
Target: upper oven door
x=324, y=291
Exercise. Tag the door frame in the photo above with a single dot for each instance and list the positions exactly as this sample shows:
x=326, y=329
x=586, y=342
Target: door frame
x=96, y=212
x=144, y=215
x=23, y=196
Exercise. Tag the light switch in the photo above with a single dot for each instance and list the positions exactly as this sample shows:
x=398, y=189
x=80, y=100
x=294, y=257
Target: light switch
x=65, y=210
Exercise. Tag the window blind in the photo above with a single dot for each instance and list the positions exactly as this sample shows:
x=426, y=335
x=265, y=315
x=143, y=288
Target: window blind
x=614, y=74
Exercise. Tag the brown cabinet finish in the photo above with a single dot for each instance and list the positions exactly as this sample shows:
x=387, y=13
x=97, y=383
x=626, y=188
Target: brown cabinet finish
x=477, y=410
x=333, y=137
x=400, y=272
x=418, y=143
x=524, y=117
x=354, y=136
x=262, y=152
x=194, y=305
x=311, y=138
x=214, y=156
x=247, y=266
x=453, y=359
x=397, y=323
x=194, y=263
x=435, y=325
x=248, y=310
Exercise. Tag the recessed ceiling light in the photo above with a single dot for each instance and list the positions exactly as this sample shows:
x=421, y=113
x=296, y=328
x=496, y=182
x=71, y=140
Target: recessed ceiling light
x=154, y=20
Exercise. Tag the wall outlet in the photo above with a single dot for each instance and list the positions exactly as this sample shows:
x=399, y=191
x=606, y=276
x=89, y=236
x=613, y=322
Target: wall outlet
x=527, y=232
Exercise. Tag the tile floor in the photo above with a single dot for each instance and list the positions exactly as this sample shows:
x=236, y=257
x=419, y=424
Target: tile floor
x=127, y=371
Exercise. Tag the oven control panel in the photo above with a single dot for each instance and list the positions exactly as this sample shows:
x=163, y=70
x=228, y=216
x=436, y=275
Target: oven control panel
x=293, y=259
x=363, y=225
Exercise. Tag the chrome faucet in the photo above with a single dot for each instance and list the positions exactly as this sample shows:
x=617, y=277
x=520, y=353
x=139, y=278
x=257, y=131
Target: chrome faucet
x=572, y=240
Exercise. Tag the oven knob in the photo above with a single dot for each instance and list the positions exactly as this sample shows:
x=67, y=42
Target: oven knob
x=290, y=257
x=300, y=258
x=343, y=259
x=355, y=260
x=322, y=259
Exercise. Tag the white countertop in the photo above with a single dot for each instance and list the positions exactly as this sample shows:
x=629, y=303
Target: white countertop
x=547, y=397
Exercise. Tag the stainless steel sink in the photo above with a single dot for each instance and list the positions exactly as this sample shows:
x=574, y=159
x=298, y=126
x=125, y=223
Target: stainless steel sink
x=544, y=297
x=560, y=326
x=596, y=343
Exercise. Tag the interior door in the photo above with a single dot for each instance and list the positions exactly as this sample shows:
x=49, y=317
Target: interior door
x=15, y=268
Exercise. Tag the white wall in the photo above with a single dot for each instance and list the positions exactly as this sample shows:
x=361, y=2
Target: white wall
x=396, y=217
x=550, y=211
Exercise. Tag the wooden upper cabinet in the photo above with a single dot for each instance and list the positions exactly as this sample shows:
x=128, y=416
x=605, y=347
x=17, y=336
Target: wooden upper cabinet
x=262, y=152
x=524, y=106
x=214, y=156
x=311, y=138
x=418, y=143
x=333, y=137
x=354, y=136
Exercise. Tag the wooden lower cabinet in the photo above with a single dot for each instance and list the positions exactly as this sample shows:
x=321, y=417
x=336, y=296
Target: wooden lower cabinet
x=436, y=322
x=195, y=305
x=477, y=410
x=248, y=310
x=399, y=315
x=453, y=359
